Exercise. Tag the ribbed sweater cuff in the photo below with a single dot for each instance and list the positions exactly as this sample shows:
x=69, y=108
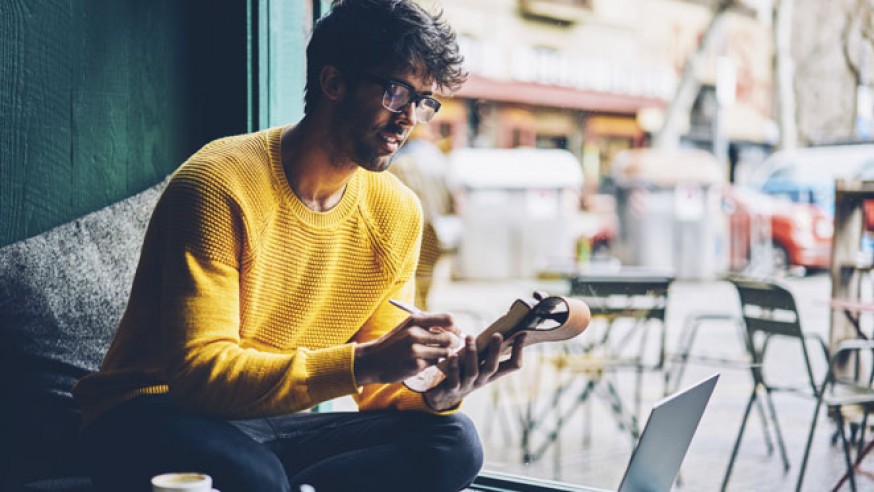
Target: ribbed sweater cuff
x=330, y=372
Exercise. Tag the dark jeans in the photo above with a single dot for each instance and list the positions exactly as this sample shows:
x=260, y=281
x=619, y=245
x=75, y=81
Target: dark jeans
x=381, y=451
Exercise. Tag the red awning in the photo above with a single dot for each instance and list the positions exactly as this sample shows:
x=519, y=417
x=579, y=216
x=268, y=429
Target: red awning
x=554, y=96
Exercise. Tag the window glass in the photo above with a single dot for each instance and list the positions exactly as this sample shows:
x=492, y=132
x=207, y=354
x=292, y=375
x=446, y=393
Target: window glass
x=603, y=140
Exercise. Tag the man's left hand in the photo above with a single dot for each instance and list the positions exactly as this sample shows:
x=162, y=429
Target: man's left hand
x=465, y=373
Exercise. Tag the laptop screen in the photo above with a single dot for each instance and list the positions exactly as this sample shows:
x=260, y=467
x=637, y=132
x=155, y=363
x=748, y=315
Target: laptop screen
x=665, y=439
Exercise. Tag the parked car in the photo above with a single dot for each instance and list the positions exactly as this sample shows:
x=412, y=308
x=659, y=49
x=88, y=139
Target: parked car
x=808, y=175
x=782, y=233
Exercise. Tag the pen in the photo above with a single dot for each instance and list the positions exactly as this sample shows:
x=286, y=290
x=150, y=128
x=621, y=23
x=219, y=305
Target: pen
x=406, y=307
x=458, y=341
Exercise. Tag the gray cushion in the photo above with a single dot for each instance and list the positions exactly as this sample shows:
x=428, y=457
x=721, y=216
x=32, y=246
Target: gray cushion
x=59, y=485
x=61, y=295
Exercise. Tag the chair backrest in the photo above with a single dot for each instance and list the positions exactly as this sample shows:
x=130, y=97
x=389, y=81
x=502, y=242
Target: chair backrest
x=638, y=295
x=768, y=307
x=635, y=294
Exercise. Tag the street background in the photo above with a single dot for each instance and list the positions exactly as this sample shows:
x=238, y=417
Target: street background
x=601, y=462
x=669, y=109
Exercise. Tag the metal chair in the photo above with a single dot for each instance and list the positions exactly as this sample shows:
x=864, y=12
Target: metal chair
x=838, y=393
x=741, y=361
x=686, y=340
x=769, y=313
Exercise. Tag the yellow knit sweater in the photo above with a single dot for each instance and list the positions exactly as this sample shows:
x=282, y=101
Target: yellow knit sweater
x=246, y=303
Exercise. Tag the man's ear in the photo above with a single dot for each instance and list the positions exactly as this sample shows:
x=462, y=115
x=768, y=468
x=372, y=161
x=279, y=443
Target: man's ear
x=332, y=82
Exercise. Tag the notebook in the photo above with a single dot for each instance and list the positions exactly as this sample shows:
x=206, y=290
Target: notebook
x=662, y=446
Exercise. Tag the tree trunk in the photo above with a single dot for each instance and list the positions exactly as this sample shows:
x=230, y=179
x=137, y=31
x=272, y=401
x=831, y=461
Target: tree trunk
x=784, y=67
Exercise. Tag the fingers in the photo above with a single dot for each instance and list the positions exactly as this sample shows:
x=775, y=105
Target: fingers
x=428, y=346
x=462, y=369
x=453, y=373
x=430, y=354
x=433, y=338
x=429, y=320
x=470, y=363
x=436, y=323
x=514, y=363
x=464, y=372
x=490, y=365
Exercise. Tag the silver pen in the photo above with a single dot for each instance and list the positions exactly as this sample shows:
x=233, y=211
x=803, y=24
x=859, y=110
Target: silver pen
x=404, y=306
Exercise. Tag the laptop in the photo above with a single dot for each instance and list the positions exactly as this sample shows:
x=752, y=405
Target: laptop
x=657, y=457
x=662, y=446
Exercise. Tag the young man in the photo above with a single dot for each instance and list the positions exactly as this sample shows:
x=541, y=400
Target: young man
x=263, y=289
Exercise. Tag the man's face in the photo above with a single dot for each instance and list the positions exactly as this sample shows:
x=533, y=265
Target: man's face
x=366, y=132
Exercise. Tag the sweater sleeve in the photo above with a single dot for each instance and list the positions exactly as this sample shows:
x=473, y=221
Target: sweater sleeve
x=394, y=396
x=383, y=396
x=207, y=368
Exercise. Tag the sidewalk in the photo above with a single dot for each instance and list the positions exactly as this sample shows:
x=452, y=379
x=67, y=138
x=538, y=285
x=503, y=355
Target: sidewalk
x=601, y=461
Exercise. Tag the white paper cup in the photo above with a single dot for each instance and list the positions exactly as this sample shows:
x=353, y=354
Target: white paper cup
x=187, y=482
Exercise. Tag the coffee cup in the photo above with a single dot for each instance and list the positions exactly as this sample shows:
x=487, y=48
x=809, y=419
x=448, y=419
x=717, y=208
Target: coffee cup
x=182, y=482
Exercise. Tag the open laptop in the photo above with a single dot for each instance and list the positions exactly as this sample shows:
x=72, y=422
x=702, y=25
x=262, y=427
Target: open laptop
x=665, y=439
x=657, y=457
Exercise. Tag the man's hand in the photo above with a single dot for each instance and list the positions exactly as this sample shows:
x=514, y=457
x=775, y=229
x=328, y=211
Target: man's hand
x=418, y=342
x=465, y=373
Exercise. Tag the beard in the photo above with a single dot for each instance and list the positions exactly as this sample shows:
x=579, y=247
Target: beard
x=357, y=139
x=371, y=159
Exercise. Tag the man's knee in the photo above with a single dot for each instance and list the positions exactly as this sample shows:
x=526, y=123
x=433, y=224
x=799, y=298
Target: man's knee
x=454, y=454
x=465, y=439
x=248, y=473
x=238, y=464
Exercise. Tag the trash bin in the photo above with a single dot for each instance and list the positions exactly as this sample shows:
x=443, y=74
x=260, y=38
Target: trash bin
x=670, y=211
x=517, y=208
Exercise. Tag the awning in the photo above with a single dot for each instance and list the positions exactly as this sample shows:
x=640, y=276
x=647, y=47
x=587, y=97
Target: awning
x=666, y=167
x=534, y=94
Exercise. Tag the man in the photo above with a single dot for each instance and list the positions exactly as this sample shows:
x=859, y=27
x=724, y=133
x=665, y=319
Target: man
x=263, y=289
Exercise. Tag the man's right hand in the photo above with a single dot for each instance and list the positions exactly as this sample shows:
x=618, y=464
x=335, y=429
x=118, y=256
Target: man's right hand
x=419, y=341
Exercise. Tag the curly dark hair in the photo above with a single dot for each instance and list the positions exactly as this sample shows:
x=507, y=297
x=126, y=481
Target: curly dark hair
x=359, y=35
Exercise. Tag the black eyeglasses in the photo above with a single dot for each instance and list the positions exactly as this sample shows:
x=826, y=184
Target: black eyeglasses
x=398, y=94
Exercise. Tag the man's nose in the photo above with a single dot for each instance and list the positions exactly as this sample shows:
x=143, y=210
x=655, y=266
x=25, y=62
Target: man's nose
x=409, y=114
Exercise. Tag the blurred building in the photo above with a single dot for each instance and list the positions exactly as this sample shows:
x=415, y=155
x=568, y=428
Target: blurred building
x=594, y=76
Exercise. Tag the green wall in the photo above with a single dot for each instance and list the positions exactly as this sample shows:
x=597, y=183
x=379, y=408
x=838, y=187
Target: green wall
x=283, y=29
x=100, y=99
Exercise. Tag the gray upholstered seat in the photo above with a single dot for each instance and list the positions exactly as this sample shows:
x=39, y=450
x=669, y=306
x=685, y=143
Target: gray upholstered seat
x=61, y=295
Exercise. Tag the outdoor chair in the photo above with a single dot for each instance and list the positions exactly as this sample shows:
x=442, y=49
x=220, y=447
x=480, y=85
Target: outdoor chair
x=741, y=361
x=845, y=391
x=770, y=314
x=686, y=341
x=569, y=375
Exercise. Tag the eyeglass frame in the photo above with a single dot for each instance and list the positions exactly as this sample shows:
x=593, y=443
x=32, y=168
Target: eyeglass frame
x=415, y=97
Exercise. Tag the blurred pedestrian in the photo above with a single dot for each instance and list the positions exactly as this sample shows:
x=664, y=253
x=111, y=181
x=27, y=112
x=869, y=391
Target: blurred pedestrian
x=422, y=166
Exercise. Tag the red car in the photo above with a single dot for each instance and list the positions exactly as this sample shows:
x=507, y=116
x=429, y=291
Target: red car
x=784, y=233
